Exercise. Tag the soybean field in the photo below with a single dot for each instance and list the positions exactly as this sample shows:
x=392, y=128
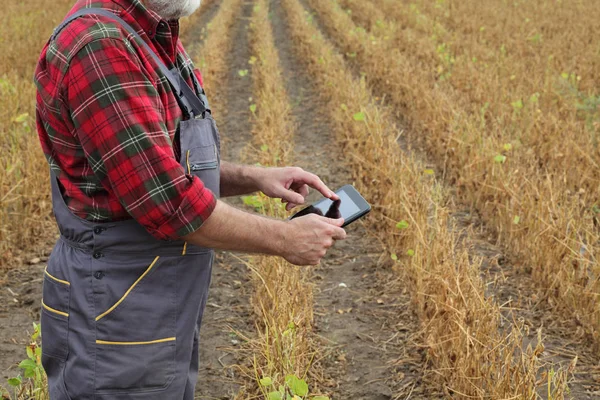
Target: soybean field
x=471, y=126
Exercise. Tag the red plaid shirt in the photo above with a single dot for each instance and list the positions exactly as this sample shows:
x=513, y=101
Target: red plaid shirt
x=107, y=120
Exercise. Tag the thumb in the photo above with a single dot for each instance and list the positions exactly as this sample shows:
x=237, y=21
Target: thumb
x=336, y=222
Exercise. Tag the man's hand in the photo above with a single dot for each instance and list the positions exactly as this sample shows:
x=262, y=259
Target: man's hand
x=291, y=185
x=309, y=237
x=301, y=241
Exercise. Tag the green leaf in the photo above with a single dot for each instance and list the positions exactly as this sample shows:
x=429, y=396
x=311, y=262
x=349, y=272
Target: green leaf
x=252, y=60
x=29, y=373
x=429, y=172
x=264, y=148
x=534, y=98
x=516, y=220
x=320, y=398
x=596, y=209
x=394, y=257
x=266, y=381
x=15, y=381
x=359, y=116
x=344, y=107
x=507, y=147
x=36, y=331
x=402, y=224
x=299, y=387
x=500, y=159
x=517, y=105
x=29, y=352
x=27, y=364
x=21, y=118
x=243, y=72
x=410, y=252
x=253, y=108
x=275, y=396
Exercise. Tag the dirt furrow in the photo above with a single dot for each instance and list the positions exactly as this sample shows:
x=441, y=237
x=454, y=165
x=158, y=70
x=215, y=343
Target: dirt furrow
x=362, y=311
x=228, y=308
x=194, y=29
x=508, y=283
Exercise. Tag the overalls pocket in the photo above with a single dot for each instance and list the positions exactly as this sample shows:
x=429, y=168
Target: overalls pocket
x=199, y=141
x=136, y=326
x=55, y=317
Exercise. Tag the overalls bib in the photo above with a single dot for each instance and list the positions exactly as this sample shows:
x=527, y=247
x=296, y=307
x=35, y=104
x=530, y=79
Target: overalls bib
x=121, y=310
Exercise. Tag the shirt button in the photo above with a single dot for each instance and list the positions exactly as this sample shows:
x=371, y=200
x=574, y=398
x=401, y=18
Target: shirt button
x=98, y=230
x=97, y=255
x=149, y=33
x=98, y=274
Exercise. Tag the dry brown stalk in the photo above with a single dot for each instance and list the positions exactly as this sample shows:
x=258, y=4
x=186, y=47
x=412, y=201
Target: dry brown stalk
x=25, y=208
x=283, y=298
x=467, y=350
x=491, y=157
x=211, y=57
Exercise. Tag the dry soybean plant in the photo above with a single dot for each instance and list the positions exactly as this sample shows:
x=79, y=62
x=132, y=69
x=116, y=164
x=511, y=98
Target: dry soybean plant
x=469, y=353
x=211, y=58
x=541, y=203
x=25, y=208
x=283, y=300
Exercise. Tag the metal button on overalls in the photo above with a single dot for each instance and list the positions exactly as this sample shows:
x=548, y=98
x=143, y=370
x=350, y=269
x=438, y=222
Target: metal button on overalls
x=121, y=310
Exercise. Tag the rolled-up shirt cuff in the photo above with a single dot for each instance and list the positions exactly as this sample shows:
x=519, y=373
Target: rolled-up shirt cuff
x=197, y=205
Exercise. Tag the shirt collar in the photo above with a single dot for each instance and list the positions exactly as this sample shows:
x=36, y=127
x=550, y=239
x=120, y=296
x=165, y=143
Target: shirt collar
x=147, y=19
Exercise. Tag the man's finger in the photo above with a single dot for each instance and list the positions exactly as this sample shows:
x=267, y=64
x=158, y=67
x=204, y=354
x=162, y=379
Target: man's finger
x=332, y=221
x=339, y=234
x=289, y=206
x=315, y=182
x=290, y=196
x=303, y=190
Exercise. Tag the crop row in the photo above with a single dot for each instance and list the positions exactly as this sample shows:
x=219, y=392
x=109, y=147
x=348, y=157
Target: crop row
x=535, y=214
x=468, y=352
x=283, y=296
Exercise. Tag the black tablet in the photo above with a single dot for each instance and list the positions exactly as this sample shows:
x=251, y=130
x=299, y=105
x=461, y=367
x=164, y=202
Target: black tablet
x=351, y=206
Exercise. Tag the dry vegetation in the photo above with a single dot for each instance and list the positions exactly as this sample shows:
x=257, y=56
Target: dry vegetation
x=504, y=100
x=25, y=207
x=506, y=104
x=412, y=222
x=283, y=299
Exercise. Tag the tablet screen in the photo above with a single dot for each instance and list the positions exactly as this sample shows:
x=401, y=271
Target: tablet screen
x=343, y=208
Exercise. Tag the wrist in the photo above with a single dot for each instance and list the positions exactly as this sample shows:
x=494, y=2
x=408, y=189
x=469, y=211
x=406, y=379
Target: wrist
x=279, y=235
x=254, y=175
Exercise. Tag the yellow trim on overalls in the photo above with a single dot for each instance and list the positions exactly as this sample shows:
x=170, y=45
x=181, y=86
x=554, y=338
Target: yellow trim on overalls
x=55, y=278
x=105, y=313
x=170, y=339
x=64, y=314
x=187, y=161
x=184, y=249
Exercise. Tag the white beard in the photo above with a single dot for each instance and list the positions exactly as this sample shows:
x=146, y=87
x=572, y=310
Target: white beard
x=173, y=9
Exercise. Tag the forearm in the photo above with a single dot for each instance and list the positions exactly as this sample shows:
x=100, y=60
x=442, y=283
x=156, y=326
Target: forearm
x=231, y=229
x=237, y=179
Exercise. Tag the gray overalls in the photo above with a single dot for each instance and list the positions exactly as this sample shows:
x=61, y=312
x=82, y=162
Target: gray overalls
x=121, y=310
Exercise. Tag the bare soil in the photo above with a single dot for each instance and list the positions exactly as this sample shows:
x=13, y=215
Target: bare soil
x=507, y=278
x=363, y=313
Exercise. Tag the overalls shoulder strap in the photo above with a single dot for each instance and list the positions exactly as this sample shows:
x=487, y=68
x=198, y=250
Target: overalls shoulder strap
x=191, y=104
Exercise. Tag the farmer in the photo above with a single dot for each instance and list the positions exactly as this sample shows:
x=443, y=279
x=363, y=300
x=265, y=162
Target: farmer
x=136, y=174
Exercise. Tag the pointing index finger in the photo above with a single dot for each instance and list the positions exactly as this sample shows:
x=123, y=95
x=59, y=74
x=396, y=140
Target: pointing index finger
x=315, y=182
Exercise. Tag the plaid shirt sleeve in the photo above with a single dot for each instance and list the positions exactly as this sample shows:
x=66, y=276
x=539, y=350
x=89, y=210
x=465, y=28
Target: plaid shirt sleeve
x=118, y=118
